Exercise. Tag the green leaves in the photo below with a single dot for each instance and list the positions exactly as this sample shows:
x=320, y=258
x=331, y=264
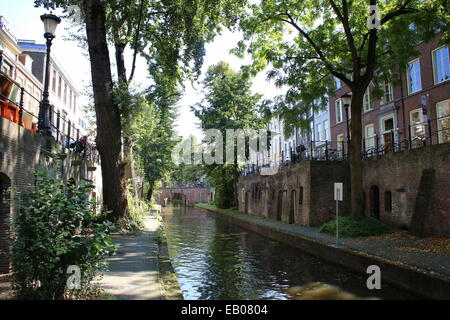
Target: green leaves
x=228, y=104
x=306, y=42
x=53, y=229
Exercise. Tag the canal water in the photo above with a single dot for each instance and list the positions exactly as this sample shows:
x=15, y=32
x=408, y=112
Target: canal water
x=214, y=259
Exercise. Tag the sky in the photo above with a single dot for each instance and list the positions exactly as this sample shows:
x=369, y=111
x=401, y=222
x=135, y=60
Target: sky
x=24, y=22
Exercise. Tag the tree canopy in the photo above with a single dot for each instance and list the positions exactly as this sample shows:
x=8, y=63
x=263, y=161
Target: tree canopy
x=310, y=43
x=228, y=104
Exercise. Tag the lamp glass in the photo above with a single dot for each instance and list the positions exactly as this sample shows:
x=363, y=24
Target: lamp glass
x=347, y=99
x=50, y=23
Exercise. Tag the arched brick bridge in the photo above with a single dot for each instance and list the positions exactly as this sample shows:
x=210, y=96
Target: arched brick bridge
x=191, y=195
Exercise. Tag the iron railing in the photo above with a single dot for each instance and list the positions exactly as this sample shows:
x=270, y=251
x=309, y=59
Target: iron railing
x=65, y=133
x=418, y=135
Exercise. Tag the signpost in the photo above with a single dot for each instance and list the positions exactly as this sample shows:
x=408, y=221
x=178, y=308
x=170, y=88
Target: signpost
x=338, y=192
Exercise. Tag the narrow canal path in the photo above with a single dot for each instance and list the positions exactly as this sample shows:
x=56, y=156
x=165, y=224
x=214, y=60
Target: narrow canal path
x=133, y=271
x=214, y=259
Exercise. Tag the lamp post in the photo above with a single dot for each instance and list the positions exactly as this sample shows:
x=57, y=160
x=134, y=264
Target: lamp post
x=50, y=22
x=347, y=99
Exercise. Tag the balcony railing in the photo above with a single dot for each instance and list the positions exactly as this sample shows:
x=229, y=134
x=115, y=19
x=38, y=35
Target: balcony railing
x=418, y=135
x=12, y=99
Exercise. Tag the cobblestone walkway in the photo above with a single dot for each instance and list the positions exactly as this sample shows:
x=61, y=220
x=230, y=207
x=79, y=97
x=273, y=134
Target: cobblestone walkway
x=133, y=272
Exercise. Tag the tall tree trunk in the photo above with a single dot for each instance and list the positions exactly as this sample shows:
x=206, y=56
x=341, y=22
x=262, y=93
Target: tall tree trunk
x=356, y=164
x=120, y=62
x=150, y=190
x=109, y=127
x=122, y=78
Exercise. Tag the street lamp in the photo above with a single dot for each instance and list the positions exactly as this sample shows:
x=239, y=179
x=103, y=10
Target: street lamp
x=50, y=22
x=347, y=99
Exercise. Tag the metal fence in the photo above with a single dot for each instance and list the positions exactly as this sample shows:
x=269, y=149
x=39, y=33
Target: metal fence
x=12, y=100
x=418, y=135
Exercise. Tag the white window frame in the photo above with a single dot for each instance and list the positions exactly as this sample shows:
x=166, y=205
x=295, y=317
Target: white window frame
x=413, y=124
x=326, y=130
x=408, y=76
x=387, y=84
x=340, y=138
x=443, y=118
x=370, y=140
x=366, y=101
x=383, y=129
x=337, y=83
x=433, y=55
x=319, y=131
x=340, y=113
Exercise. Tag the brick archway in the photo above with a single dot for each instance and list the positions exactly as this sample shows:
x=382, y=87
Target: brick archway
x=5, y=197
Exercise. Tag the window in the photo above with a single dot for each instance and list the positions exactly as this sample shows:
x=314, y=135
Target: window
x=337, y=83
x=30, y=98
x=416, y=123
x=340, y=142
x=388, y=201
x=338, y=108
x=65, y=93
x=326, y=129
x=369, y=131
x=7, y=69
x=388, y=95
x=21, y=81
x=59, y=87
x=387, y=125
x=441, y=65
x=54, y=81
x=413, y=77
x=366, y=101
x=443, y=114
x=319, y=132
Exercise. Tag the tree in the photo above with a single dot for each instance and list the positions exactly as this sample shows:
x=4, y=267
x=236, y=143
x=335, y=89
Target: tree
x=308, y=43
x=184, y=174
x=228, y=104
x=173, y=43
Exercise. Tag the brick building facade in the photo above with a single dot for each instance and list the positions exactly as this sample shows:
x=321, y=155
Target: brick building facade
x=407, y=189
x=417, y=109
x=299, y=194
x=21, y=153
x=406, y=139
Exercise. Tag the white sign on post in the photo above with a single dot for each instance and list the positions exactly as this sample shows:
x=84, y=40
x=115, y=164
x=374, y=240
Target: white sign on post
x=338, y=191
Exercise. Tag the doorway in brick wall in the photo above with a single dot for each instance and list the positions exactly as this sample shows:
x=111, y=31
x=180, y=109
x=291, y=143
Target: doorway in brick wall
x=5, y=197
x=292, y=207
x=279, y=205
x=375, y=201
x=246, y=201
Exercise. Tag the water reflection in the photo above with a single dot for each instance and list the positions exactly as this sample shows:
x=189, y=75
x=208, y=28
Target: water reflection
x=214, y=259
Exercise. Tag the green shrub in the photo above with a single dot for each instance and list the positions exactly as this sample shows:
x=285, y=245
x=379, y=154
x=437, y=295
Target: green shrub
x=54, y=229
x=138, y=210
x=349, y=228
